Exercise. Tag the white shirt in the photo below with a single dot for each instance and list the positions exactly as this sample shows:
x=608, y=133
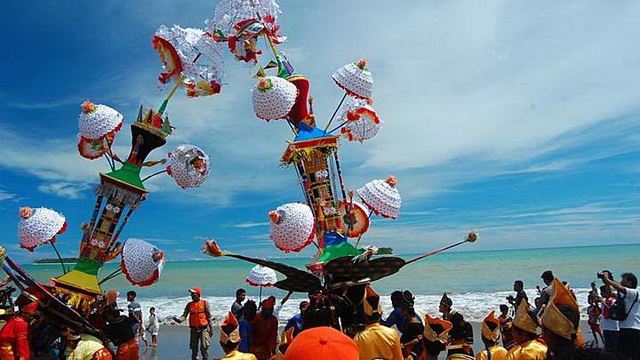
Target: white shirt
x=633, y=320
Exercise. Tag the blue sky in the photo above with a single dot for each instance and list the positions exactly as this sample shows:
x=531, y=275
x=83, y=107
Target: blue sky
x=518, y=119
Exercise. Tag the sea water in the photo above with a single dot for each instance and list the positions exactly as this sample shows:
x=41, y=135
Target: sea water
x=478, y=282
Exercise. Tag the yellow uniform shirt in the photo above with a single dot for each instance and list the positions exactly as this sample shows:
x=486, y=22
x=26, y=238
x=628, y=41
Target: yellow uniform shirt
x=531, y=350
x=497, y=353
x=87, y=346
x=378, y=341
x=237, y=355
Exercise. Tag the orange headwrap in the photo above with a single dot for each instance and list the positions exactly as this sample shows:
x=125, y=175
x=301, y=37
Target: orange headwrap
x=432, y=334
x=229, y=330
x=489, y=334
x=269, y=303
x=371, y=302
x=31, y=308
x=523, y=320
x=553, y=319
x=196, y=290
x=322, y=343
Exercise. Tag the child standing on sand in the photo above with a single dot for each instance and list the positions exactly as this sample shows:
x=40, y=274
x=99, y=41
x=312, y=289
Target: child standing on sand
x=153, y=326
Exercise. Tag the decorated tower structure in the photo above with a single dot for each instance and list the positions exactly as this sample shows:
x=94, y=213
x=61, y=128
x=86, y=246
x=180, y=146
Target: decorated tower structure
x=120, y=192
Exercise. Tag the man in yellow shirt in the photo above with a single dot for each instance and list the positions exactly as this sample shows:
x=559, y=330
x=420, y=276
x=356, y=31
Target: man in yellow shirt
x=436, y=336
x=230, y=340
x=86, y=347
x=490, y=337
x=560, y=320
x=376, y=341
x=525, y=326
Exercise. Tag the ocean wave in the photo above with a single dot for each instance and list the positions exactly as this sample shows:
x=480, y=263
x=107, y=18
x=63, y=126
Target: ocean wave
x=473, y=305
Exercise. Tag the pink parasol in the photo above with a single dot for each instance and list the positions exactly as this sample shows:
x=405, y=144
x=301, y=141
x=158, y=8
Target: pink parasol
x=381, y=197
x=229, y=13
x=239, y=23
x=188, y=165
x=361, y=122
x=292, y=227
x=40, y=226
x=355, y=79
x=191, y=57
x=273, y=97
x=97, y=125
x=261, y=276
x=141, y=262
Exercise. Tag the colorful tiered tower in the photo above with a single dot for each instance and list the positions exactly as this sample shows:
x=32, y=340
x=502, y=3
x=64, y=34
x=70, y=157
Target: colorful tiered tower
x=120, y=192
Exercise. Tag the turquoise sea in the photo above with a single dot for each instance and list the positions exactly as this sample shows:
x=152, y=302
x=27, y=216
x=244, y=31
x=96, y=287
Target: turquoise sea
x=478, y=281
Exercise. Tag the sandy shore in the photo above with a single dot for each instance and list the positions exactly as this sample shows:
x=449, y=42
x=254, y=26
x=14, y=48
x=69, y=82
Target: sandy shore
x=173, y=343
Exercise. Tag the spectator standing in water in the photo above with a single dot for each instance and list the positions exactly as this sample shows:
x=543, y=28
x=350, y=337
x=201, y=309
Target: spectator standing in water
x=241, y=295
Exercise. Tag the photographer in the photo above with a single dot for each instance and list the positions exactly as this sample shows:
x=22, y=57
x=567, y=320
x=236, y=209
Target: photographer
x=629, y=335
x=609, y=326
x=518, y=287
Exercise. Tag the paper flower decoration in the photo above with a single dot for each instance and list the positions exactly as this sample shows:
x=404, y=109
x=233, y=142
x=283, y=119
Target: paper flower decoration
x=381, y=197
x=97, y=127
x=261, y=276
x=141, y=262
x=361, y=121
x=355, y=221
x=355, y=79
x=292, y=227
x=229, y=13
x=39, y=226
x=273, y=97
x=188, y=166
x=192, y=54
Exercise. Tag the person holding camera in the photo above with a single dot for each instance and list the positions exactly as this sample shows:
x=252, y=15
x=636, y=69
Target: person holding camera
x=518, y=287
x=628, y=316
x=610, y=326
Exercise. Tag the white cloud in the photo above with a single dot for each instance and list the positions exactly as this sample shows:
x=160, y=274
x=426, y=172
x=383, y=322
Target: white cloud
x=64, y=189
x=467, y=92
x=251, y=224
x=5, y=195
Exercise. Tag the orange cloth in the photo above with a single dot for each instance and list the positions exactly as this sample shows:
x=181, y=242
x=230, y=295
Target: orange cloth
x=265, y=336
x=197, y=313
x=531, y=350
x=13, y=339
x=237, y=355
x=102, y=354
x=378, y=341
x=128, y=351
x=497, y=353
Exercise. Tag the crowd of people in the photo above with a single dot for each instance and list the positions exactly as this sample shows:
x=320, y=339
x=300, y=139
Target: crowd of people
x=546, y=328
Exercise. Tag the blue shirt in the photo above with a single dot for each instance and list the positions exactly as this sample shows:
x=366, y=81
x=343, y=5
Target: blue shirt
x=296, y=323
x=245, y=335
x=396, y=318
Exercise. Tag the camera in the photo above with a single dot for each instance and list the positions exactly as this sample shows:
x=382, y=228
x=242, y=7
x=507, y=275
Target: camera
x=600, y=275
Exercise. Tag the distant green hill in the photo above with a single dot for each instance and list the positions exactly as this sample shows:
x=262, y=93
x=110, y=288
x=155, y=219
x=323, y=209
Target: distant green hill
x=56, y=261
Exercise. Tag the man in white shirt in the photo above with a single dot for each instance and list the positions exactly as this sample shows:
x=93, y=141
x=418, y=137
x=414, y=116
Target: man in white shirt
x=629, y=335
